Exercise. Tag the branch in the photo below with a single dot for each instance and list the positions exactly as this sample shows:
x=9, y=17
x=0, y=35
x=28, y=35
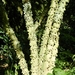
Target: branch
x=15, y=42
x=45, y=37
x=32, y=37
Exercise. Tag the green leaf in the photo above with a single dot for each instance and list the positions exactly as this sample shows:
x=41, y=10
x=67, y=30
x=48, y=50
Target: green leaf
x=1, y=31
x=1, y=37
x=58, y=71
x=49, y=74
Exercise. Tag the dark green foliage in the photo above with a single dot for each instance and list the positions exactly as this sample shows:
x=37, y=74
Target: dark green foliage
x=7, y=54
x=38, y=8
x=15, y=14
